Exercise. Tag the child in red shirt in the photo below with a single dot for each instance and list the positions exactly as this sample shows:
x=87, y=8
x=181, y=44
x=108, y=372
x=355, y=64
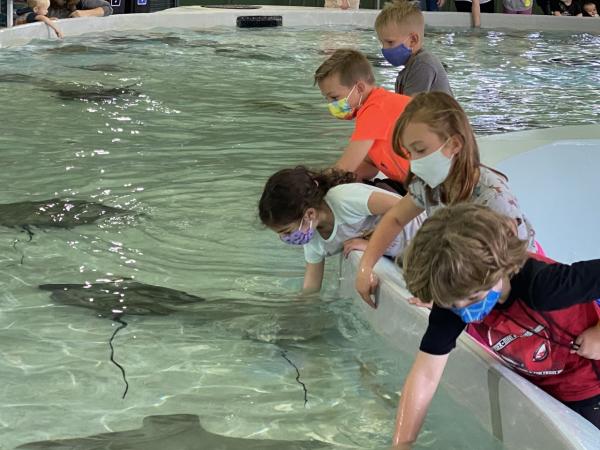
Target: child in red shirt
x=346, y=80
x=538, y=316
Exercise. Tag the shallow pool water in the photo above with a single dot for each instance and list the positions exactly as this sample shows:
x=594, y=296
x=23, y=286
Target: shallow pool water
x=183, y=129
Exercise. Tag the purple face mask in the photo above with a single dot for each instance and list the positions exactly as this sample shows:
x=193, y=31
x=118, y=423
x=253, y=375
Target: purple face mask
x=298, y=237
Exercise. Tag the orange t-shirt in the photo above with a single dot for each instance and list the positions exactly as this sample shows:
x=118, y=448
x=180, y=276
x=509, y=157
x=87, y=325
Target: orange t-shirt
x=375, y=120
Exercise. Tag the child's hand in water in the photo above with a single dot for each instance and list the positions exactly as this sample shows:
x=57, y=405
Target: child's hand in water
x=354, y=244
x=366, y=285
x=587, y=344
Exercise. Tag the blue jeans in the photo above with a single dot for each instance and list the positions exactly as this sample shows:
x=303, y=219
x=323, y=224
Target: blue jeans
x=428, y=5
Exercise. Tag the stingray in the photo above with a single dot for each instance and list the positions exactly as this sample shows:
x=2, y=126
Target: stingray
x=175, y=431
x=76, y=49
x=116, y=298
x=94, y=93
x=148, y=39
x=71, y=91
x=110, y=298
x=233, y=52
x=100, y=67
x=55, y=213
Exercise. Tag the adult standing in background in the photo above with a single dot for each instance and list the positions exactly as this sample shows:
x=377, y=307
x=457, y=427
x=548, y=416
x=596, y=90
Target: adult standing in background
x=79, y=8
x=431, y=5
x=475, y=7
x=342, y=4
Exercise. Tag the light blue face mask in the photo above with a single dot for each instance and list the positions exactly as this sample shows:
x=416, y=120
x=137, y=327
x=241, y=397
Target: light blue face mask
x=477, y=311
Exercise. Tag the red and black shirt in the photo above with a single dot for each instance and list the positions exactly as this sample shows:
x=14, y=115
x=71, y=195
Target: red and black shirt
x=549, y=305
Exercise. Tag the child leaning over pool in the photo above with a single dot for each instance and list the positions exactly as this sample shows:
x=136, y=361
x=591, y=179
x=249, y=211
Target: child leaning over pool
x=346, y=80
x=538, y=316
x=323, y=211
x=37, y=11
x=445, y=170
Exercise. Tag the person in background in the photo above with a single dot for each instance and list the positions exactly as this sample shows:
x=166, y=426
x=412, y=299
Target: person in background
x=565, y=8
x=342, y=4
x=517, y=6
x=37, y=11
x=475, y=7
x=431, y=5
x=589, y=9
x=400, y=28
x=327, y=213
x=347, y=82
x=79, y=8
x=539, y=317
x=544, y=6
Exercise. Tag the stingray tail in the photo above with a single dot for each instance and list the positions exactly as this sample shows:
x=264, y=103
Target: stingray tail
x=284, y=356
x=123, y=324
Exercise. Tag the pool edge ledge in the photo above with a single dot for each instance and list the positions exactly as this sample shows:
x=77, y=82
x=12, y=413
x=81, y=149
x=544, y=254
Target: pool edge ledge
x=197, y=17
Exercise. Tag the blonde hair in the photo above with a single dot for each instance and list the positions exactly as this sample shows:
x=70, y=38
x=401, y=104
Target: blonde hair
x=443, y=116
x=37, y=3
x=351, y=66
x=403, y=14
x=461, y=250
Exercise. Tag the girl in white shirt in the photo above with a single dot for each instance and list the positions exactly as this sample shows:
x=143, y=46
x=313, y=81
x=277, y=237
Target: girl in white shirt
x=327, y=213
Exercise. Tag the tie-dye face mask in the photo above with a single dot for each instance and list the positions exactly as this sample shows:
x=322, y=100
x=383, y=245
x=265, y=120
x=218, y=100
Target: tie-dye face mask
x=341, y=109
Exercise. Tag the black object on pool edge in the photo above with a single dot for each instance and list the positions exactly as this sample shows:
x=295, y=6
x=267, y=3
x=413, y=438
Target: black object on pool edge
x=259, y=21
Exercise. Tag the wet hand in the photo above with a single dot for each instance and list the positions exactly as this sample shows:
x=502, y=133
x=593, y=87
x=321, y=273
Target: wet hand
x=76, y=13
x=354, y=244
x=366, y=283
x=59, y=34
x=587, y=344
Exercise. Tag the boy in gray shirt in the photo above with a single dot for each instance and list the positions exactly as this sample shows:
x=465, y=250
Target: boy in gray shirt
x=400, y=27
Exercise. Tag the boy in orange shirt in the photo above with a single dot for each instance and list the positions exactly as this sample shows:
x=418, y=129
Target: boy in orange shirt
x=346, y=80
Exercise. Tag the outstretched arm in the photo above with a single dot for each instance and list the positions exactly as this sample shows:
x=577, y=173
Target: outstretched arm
x=48, y=22
x=417, y=393
x=391, y=224
x=354, y=154
x=313, y=277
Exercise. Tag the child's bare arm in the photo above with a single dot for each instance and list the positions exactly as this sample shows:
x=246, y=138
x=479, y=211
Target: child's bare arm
x=313, y=277
x=48, y=22
x=391, y=224
x=417, y=393
x=354, y=154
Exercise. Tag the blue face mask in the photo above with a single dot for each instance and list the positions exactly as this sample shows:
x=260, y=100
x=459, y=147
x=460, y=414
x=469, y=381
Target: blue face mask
x=397, y=56
x=477, y=311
